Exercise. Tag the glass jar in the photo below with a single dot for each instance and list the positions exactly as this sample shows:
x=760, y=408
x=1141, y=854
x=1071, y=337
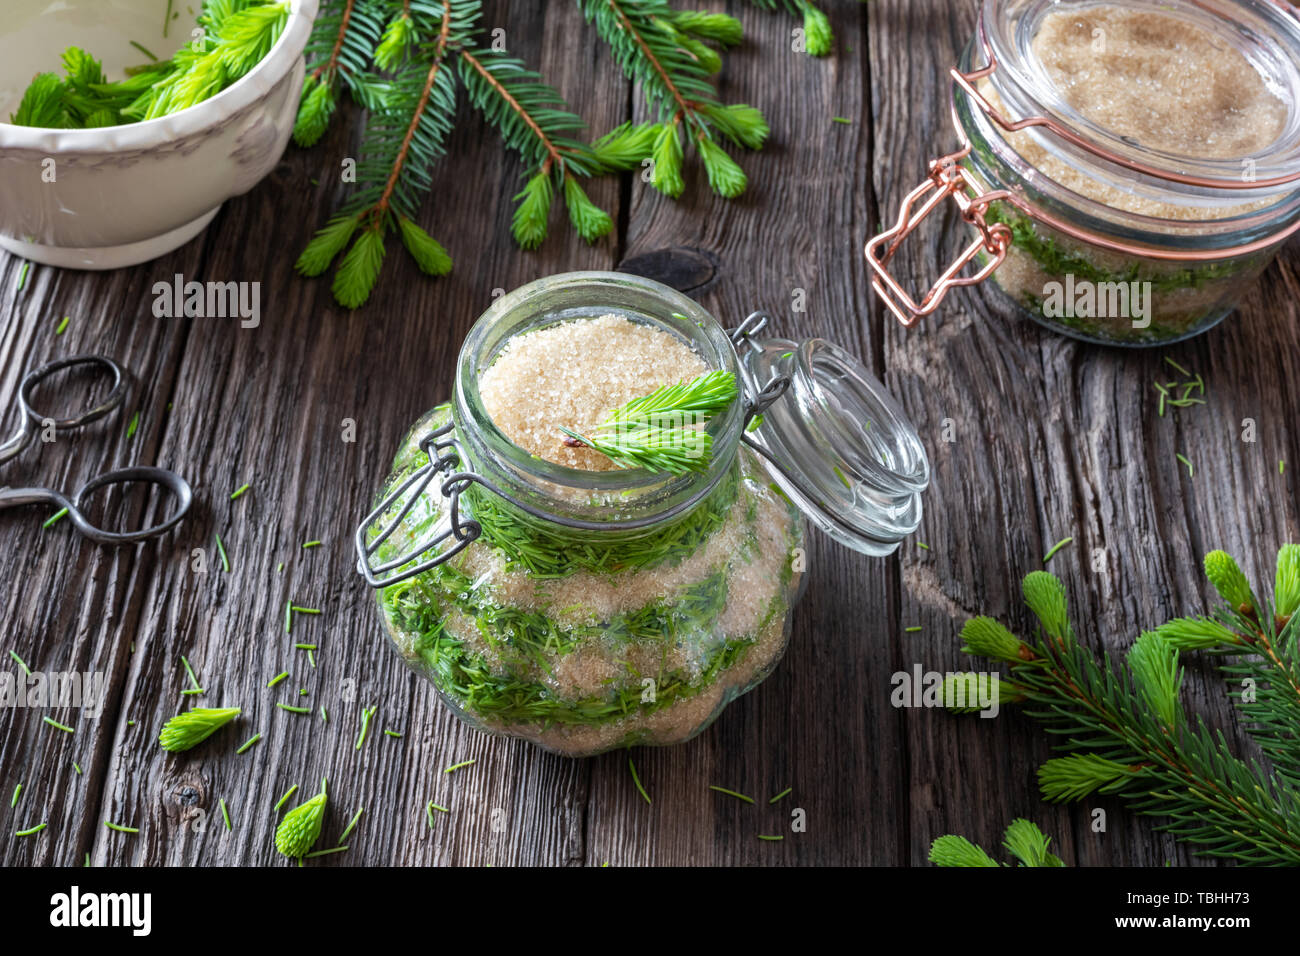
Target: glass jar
x=588, y=610
x=1088, y=229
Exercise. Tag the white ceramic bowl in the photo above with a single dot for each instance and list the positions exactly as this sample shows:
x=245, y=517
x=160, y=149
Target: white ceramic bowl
x=127, y=194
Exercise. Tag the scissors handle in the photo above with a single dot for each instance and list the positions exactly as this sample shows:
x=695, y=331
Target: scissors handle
x=33, y=419
x=178, y=488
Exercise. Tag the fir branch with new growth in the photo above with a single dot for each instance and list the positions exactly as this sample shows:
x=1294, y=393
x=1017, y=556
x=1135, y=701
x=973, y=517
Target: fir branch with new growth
x=235, y=36
x=404, y=61
x=1123, y=728
x=663, y=431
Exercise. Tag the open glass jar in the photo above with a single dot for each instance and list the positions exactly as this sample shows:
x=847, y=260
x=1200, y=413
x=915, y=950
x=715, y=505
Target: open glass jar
x=1129, y=166
x=588, y=610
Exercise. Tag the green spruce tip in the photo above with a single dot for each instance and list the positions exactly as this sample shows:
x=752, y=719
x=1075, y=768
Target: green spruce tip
x=1075, y=776
x=589, y=220
x=726, y=178
x=1153, y=662
x=744, y=125
x=1229, y=581
x=644, y=432
x=985, y=637
x=1029, y=845
x=1045, y=595
x=301, y=826
x=327, y=244
x=359, y=271
x=950, y=850
x=718, y=27
x=666, y=174
x=818, y=38
x=529, y=223
x=315, y=110
x=427, y=252
x=188, y=730
x=1023, y=840
x=1198, y=634
x=625, y=147
x=1286, y=586
x=397, y=43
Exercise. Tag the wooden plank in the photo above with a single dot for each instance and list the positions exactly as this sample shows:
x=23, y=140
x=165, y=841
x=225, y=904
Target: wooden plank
x=1052, y=439
x=789, y=245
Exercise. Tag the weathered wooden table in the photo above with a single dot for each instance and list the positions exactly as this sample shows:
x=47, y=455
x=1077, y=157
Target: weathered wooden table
x=1052, y=439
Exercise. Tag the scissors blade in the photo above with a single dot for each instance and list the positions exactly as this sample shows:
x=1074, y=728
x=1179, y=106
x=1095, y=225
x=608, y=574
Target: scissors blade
x=17, y=497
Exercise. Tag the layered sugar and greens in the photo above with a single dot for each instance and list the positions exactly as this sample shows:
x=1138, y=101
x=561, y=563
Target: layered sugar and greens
x=581, y=645
x=1181, y=299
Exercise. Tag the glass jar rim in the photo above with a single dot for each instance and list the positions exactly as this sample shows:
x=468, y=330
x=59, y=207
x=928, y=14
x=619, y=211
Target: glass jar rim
x=1005, y=30
x=650, y=496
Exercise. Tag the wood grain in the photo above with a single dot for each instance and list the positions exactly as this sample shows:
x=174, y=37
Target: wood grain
x=1053, y=439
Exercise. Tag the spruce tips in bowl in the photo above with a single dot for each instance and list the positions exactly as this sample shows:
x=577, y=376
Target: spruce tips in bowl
x=103, y=188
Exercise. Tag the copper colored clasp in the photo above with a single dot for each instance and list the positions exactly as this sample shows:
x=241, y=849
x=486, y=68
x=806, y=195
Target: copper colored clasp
x=948, y=178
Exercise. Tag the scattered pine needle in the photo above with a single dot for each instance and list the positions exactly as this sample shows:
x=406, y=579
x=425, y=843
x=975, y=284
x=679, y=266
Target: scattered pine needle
x=336, y=849
x=366, y=714
x=1051, y=552
x=239, y=492
x=58, y=726
x=287, y=794
x=732, y=793
x=463, y=763
x=248, y=743
x=21, y=663
x=637, y=781
x=352, y=824
x=221, y=549
x=780, y=795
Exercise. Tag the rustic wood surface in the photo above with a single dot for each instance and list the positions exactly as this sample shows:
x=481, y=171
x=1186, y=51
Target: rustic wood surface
x=1052, y=439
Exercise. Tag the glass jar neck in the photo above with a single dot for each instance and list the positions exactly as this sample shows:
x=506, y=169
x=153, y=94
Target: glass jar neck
x=560, y=499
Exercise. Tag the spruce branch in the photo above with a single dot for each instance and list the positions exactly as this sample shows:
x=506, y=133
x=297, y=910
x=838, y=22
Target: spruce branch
x=532, y=120
x=396, y=58
x=338, y=50
x=1123, y=729
x=401, y=143
x=672, y=66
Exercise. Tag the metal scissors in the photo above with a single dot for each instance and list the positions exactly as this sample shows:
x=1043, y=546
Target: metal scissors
x=33, y=421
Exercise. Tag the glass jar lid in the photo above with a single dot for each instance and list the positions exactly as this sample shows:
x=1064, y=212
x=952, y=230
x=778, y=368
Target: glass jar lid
x=835, y=442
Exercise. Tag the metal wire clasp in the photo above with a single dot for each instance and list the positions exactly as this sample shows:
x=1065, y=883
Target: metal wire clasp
x=444, y=455
x=948, y=178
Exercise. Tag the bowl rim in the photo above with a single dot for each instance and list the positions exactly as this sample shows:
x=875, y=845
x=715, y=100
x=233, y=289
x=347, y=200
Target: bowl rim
x=149, y=134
